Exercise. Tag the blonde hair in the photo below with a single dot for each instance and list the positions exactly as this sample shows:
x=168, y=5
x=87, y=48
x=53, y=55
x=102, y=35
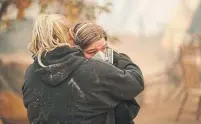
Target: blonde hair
x=49, y=32
x=85, y=33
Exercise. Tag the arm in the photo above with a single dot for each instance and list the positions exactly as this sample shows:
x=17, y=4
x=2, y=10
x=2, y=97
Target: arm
x=122, y=84
x=127, y=110
x=122, y=61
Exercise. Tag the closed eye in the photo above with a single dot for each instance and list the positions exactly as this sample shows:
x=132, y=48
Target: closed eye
x=91, y=52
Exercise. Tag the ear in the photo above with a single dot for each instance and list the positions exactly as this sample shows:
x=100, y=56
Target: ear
x=71, y=42
x=71, y=34
x=71, y=38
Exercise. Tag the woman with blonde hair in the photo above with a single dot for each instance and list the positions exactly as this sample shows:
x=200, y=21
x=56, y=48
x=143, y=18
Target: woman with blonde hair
x=92, y=40
x=61, y=86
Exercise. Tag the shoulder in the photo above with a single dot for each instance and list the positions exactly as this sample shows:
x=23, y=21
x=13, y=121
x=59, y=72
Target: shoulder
x=101, y=68
x=30, y=76
x=29, y=71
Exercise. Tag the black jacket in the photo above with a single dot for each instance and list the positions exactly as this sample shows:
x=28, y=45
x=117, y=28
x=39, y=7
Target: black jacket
x=127, y=110
x=73, y=90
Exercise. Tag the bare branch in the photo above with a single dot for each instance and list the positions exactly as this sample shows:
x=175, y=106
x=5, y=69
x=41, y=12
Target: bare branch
x=4, y=7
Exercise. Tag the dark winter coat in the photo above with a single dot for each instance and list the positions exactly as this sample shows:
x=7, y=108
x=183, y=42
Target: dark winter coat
x=73, y=90
x=127, y=110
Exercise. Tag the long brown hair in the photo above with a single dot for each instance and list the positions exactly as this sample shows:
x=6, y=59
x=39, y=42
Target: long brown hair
x=86, y=33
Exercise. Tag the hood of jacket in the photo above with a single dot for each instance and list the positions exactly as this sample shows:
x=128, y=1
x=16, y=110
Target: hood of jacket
x=60, y=64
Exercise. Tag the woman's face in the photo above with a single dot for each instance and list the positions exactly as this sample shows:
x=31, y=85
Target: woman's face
x=92, y=49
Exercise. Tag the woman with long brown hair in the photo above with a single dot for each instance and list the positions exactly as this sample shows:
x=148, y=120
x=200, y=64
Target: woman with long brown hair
x=92, y=40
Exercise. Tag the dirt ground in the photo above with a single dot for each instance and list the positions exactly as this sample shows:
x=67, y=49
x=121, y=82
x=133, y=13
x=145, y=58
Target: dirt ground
x=165, y=113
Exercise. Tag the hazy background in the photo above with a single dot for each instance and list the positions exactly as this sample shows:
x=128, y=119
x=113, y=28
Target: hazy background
x=149, y=31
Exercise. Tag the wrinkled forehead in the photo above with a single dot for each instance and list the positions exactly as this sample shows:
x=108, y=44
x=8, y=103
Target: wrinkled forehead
x=97, y=44
x=101, y=42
